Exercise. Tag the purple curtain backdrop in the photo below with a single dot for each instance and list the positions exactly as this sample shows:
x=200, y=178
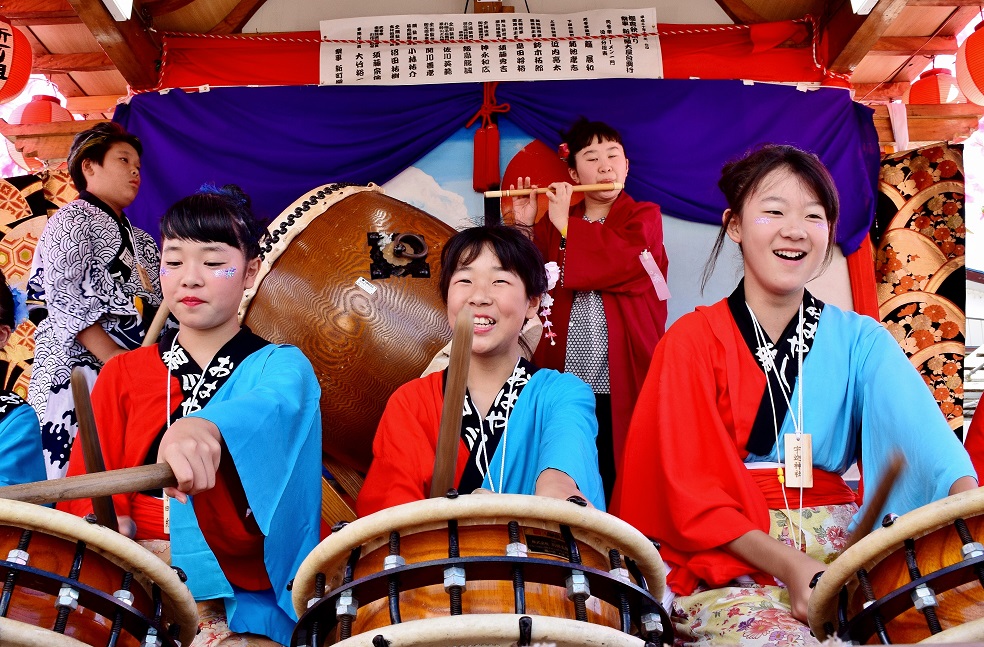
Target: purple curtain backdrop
x=278, y=142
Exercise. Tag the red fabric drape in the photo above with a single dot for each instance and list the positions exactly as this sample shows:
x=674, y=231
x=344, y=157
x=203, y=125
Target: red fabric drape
x=861, y=269
x=195, y=60
x=779, y=51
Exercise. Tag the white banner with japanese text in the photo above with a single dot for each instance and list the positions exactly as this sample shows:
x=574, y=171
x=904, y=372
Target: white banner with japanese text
x=452, y=48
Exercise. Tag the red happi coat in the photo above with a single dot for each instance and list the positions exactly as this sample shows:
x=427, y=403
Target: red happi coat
x=975, y=443
x=605, y=257
x=128, y=403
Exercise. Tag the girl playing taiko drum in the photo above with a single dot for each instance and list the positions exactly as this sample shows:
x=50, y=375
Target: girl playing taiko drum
x=525, y=430
x=235, y=417
x=745, y=396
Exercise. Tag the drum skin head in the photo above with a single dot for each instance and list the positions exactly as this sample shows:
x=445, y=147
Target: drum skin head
x=363, y=343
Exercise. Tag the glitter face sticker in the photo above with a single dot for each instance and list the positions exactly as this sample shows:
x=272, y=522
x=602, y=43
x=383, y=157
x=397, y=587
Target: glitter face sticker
x=225, y=273
x=822, y=226
x=165, y=271
x=763, y=221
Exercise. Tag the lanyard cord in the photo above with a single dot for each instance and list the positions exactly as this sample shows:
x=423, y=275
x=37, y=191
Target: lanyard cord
x=768, y=359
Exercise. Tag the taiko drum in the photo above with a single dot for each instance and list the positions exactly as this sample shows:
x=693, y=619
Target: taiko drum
x=506, y=554
x=918, y=578
x=65, y=579
x=351, y=278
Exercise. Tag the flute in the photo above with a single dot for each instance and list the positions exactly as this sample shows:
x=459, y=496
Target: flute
x=577, y=188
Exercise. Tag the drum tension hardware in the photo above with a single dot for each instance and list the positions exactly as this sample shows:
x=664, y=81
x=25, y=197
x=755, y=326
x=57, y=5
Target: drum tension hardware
x=69, y=593
x=876, y=614
x=340, y=608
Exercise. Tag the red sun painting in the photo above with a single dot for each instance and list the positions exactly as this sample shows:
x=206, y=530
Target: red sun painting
x=543, y=167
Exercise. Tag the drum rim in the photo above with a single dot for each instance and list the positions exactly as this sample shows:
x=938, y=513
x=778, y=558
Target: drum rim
x=483, y=627
x=478, y=508
x=295, y=224
x=29, y=635
x=146, y=567
x=969, y=632
x=881, y=543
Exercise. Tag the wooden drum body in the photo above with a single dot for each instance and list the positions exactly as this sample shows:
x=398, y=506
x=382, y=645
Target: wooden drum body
x=68, y=582
x=919, y=579
x=365, y=311
x=493, y=557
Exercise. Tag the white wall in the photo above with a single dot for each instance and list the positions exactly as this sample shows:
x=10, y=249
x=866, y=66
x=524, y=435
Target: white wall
x=975, y=314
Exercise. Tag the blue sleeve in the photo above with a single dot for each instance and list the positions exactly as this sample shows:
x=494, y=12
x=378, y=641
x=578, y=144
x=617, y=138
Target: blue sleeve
x=567, y=435
x=269, y=416
x=21, y=460
x=898, y=413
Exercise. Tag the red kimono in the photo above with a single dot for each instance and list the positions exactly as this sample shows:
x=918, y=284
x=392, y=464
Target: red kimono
x=974, y=444
x=128, y=402
x=606, y=258
x=403, y=450
x=696, y=506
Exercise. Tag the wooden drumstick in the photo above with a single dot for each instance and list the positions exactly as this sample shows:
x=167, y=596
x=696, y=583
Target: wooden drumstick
x=157, y=324
x=130, y=479
x=577, y=188
x=102, y=506
x=877, y=499
x=154, y=330
x=145, y=281
x=446, y=454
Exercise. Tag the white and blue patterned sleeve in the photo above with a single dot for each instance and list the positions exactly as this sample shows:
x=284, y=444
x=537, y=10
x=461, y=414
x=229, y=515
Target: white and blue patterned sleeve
x=78, y=287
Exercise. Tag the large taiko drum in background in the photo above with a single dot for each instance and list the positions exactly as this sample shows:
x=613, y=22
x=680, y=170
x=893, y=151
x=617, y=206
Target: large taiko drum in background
x=67, y=583
x=579, y=576
x=919, y=579
x=351, y=278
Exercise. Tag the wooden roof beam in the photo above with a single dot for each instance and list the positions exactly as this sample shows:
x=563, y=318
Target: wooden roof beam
x=68, y=63
x=237, y=18
x=906, y=45
x=25, y=13
x=92, y=104
x=944, y=3
x=47, y=141
x=160, y=7
x=932, y=123
x=133, y=49
x=879, y=92
x=739, y=12
x=849, y=37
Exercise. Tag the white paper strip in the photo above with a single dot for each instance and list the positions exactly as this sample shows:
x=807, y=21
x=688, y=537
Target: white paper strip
x=456, y=48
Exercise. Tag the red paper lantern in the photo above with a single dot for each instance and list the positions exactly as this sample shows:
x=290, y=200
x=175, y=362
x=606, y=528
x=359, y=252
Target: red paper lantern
x=16, y=59
x=936, y=86
x=970, y=66
x=41, y=109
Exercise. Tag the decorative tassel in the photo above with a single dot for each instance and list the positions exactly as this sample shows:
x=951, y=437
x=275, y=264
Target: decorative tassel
x=553, y=274
x=485, y=172
x=479, y=181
